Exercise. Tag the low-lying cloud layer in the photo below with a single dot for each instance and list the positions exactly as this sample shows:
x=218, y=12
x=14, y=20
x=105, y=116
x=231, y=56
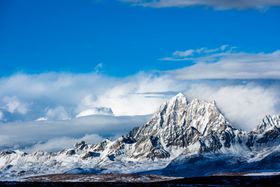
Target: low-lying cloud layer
x=217, y=4
x=56, y=135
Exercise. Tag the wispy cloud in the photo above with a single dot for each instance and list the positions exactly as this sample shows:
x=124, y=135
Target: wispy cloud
x=60, y=143
x=198, y=54
x=217, y=4
x=98, y=68
x=226, y=62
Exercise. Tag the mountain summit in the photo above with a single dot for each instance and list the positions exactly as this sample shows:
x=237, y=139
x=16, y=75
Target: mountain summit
x=180, y=135
x=181, y=126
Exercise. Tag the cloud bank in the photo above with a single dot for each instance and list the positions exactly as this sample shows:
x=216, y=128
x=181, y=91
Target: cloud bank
x=60, y=96
x=216, y=4
x=37, y=110
x=141, y=94
x=56, y=135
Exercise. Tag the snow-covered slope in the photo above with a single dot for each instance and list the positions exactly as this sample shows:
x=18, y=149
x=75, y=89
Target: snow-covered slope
x=180, y=135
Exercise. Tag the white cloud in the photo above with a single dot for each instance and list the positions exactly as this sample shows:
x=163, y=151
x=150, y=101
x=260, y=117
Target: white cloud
x=58, y=144
x=217, y=4
x=98, y=68
x=1, y=115
x=185, y=53
x=243, y=105
x=124, y=99
x=226, y=63
x=53, y=95
x=60, y=95
x=95, y=111
x=5, y=140
x=14, y=105
x=57, y=113
x=44, y=134
x=196, y=54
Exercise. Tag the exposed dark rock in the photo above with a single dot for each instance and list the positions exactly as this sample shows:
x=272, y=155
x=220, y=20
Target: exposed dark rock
x=71, y=152
x=91, y=154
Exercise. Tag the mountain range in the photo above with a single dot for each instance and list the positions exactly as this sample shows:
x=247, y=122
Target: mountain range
x=183, y=138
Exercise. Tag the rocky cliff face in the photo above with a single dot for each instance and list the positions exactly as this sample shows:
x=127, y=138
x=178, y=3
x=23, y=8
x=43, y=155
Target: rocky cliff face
x=266, y=134
x=180, y=129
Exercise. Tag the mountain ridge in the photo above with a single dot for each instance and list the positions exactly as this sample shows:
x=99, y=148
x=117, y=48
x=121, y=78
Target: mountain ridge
x=180, y=132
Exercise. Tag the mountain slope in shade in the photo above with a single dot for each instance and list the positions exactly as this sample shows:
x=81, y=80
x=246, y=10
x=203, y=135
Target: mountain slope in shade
x=181, y=135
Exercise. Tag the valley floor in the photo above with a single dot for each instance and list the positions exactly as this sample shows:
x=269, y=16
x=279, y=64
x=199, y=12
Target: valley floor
x=60, y=180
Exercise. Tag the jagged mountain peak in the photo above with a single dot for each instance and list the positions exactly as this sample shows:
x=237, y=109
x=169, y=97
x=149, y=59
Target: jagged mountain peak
x=268, y=122
x=179, y=111
x=205, y=116
x=205, y=104
x=176, y=102
x=197, y=126
x=179, y=101
x=179, y=96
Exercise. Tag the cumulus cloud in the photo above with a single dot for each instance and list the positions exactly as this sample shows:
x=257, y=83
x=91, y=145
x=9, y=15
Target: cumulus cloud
x=63, y=96
x=216, y=4
x=57, y=113
x=226, y=63
x=49, y=95
x=124, y=98
x=14, y=105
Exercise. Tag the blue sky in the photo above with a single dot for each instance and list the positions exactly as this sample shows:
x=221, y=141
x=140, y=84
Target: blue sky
x=75, y=36
x=63, y=59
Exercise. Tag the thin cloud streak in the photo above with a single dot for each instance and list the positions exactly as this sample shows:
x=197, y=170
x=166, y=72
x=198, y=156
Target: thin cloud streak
x=216, y=4
x=227, y=63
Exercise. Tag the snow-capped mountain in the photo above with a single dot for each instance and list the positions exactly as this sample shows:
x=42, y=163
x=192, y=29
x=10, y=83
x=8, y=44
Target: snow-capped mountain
x=181, y=135
x=267, y=132
x=95, y=111
x=180, y=127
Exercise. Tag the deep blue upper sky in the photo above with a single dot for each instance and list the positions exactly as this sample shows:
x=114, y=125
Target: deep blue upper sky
x=74, y=36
